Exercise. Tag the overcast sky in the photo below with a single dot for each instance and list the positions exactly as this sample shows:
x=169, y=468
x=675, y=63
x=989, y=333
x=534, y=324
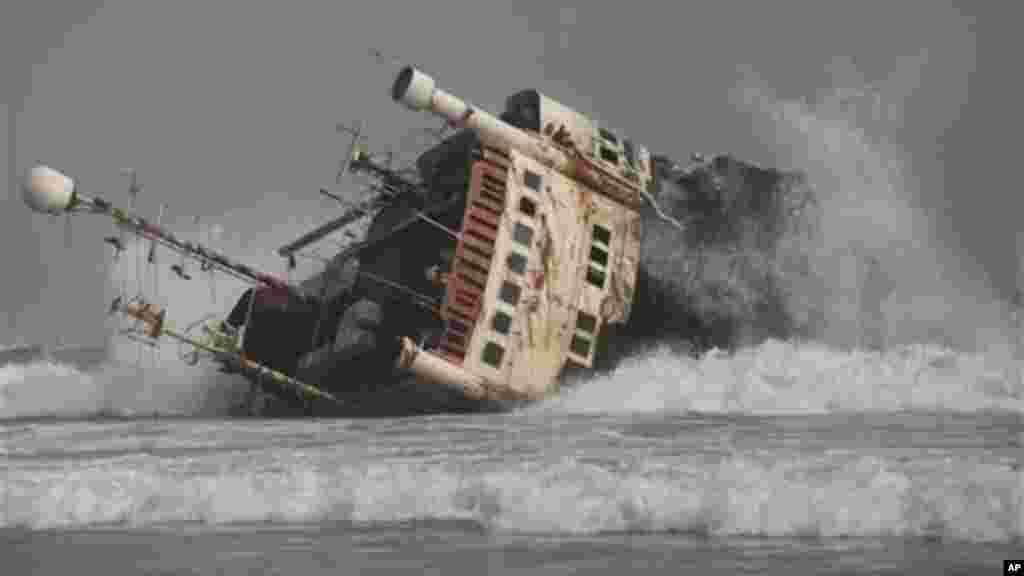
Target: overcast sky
x=230, y=106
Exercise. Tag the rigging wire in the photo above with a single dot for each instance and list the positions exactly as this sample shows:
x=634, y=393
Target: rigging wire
x=210, y=277
x=421, y=299
x=191, y=355
x=437, y=224
x=138, y=283
x=133, y=191
x=155, y=269
x=657, y=209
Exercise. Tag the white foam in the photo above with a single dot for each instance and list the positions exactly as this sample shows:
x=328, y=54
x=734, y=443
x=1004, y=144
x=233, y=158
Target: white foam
x=784, y=377
x=45, y=389
x=28, y=389
x=738, y=495
x=139, y=379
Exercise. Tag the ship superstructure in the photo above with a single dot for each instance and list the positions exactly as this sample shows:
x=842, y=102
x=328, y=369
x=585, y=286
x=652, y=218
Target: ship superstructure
x=511, y=250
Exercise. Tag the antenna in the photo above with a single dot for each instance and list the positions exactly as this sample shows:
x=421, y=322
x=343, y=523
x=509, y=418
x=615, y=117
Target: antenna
x=205, y=265
x=155, y=272
x=179, y=268
x=117, y=241
x=334, y=197
x=209, y=268
x=151, y=256
x=133, y=195
x=133, y=188
x=356, y=132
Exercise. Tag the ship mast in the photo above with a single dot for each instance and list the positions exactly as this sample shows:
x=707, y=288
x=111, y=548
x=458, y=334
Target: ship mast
x=48, y=191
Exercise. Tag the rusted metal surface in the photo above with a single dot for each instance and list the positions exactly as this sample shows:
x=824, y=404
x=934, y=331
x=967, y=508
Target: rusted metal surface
x=609, y=184
x=532, y=288
x=518, y=348
x=474, y=255
x=438, y=369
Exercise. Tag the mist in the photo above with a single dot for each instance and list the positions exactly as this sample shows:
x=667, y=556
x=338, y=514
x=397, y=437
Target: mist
x=869, y=207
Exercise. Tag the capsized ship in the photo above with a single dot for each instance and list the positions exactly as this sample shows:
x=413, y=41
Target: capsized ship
x=512, y=251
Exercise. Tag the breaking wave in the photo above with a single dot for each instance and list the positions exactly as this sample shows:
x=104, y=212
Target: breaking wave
x=772, y=378
x=786, y=377
x=28, y=390
x=53, y=390
x=138, y=379
x=864, y=184
x=947, y=343
x=840, y=496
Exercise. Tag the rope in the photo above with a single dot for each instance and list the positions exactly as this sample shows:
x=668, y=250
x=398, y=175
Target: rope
x=424, y=300
x=661, y=214
x=122, y=294
x=192, y=350
x=248, y=313
x=437, y=224
x=140, y=287
x=213, y=288
x=327, y=278
x=155, y=269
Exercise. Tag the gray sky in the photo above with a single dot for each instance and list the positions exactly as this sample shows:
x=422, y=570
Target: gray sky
x=230, y=106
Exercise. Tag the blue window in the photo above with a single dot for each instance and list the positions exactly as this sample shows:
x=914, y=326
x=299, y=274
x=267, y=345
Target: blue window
x=532, y=180
x=522, y=234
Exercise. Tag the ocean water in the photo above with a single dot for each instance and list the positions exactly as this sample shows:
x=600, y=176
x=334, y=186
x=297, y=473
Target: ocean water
x=782, y=458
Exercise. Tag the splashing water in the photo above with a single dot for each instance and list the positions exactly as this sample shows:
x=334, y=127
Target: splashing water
x=790, y=378
x=612, y=454
x=139, y=379
x=944, y=342
x=207, y=295
x=46, y=389
x=864, y=188
x=566, y=477
x=844, y=142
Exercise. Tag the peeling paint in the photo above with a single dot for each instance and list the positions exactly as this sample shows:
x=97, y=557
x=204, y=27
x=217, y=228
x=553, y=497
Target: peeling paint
x=538, y=344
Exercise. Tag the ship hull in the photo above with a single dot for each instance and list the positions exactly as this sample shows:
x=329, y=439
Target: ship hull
x=358, y=368
x=400, y=397
x=356, y=351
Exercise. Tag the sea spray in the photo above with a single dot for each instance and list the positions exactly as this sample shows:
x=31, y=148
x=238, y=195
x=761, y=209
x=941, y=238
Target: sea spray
x=143, y=379
x=800, y=378
x=846, y=142
x=928, y=338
